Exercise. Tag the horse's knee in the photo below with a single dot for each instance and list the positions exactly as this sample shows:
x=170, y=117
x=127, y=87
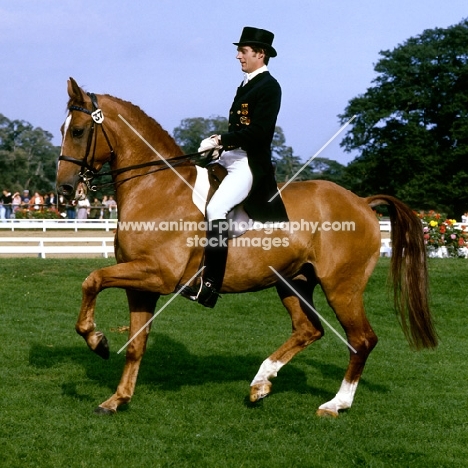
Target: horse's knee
x=90, y=283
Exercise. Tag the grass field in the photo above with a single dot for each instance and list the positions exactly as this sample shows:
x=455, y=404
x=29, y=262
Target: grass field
x=191, y=405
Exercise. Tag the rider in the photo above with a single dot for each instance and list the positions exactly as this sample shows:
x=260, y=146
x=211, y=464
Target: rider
x=247, y=158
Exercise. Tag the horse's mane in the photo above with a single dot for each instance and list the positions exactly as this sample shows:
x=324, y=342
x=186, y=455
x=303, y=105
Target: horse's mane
x=140, y=110
x=151, y=121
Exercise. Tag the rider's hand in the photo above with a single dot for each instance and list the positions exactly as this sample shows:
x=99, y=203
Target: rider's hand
x=210, y=143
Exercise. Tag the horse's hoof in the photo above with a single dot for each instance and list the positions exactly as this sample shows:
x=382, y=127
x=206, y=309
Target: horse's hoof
x=259, y=391
x=103, y=411
x=102, y=349
x=326, y=413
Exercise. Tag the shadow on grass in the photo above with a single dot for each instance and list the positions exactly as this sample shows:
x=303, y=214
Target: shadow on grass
x=168, y=365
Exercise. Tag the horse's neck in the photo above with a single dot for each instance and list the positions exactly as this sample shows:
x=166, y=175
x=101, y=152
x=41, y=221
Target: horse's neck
x=139, y=140
x=159, y=195
x=139, y=137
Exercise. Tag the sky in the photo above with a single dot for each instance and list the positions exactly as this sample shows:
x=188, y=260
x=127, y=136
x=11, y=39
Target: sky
x=176, y=59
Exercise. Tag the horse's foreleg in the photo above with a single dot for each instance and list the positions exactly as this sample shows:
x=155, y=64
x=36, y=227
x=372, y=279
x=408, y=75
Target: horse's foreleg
x=362, y=339
x=85, y=325
x=142, y=306
x=306, y=328
x=123, y=275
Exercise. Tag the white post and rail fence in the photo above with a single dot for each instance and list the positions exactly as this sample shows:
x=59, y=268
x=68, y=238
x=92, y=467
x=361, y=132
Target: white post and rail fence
x=72, y=237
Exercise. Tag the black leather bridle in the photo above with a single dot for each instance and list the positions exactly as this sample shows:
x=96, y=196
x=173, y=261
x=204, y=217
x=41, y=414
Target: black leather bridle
x=88, y=172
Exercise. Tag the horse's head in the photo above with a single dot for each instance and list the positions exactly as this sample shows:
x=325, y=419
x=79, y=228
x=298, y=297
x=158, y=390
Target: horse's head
x=85, y=144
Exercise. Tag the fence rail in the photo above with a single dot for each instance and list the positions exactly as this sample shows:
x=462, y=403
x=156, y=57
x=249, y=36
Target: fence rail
x=42, y=246
x=51, y=224
x=83, y=224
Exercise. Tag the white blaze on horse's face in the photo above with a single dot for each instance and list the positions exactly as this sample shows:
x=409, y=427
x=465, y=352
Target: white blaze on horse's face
x=65, y=131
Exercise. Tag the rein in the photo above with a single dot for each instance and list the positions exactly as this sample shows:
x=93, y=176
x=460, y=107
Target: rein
x=88, y=171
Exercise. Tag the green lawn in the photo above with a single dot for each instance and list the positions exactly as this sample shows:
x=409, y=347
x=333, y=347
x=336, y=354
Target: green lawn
x=191, y=407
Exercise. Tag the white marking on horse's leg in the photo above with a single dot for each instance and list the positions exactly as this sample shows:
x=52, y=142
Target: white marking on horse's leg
x=267, y=370
x=343, y=399
x=65, y=130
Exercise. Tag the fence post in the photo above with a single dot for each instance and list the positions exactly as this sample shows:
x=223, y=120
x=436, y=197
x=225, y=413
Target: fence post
x=104, y=249
x=42, y=251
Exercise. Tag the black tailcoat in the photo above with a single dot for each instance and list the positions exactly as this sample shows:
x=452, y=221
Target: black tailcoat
x=252, y=120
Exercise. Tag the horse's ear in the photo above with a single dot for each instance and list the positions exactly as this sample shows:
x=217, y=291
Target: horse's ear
x=75, y=92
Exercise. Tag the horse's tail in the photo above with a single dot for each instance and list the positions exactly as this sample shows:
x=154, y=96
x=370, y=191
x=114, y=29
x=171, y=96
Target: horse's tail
x=409, y=272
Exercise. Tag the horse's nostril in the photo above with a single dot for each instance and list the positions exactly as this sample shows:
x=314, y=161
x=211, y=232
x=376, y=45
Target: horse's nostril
x=65, y=189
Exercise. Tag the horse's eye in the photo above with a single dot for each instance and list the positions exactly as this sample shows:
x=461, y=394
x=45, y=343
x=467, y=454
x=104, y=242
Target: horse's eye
x=77, y=132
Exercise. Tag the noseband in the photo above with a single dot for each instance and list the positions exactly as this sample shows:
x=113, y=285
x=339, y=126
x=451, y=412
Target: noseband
x=88, y=172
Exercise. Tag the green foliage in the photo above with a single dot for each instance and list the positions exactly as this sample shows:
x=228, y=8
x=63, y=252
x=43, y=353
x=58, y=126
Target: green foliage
x=27, y=157
x=286, y=163
x=412, y=126
x=190, y=406
x=193, y=130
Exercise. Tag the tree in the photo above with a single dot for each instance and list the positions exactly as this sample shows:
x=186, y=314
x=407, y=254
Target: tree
x=327, y=169
x=27, y=156
x=286, y=163
x=412, y=126
x=192, y=130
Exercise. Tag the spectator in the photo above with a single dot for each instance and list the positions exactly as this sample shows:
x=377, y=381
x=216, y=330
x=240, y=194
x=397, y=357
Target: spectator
x=25, y=197
x=112, y=205
x=2, y=208
x=71, y=209
x=16, y=203
x=105, y=209
x=83, y=207
x=36, y=202
x=62, y=206
x=95, y=212
x=7, y=199
x=50, y=200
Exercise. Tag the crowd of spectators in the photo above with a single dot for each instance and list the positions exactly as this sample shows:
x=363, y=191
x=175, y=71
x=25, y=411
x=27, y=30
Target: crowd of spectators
x=14, y=205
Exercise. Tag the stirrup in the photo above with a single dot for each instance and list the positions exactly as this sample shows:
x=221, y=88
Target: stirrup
x=192, y=292
x=208, y=295
x=205, y=294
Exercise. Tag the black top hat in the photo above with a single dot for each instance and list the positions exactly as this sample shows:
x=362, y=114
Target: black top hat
x=257, y=37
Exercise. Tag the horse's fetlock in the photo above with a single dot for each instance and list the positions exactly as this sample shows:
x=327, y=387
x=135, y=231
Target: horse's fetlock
x=83, y=330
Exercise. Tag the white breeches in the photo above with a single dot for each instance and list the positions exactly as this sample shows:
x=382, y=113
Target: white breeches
x=235, y=186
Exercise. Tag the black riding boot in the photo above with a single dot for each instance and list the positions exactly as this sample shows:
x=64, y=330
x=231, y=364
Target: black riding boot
x=207, y=292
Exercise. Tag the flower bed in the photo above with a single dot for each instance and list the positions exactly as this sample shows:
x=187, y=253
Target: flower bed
x=442, y=237
x=24, y=213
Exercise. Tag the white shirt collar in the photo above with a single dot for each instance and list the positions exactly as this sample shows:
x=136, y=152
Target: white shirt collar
x=250, y=76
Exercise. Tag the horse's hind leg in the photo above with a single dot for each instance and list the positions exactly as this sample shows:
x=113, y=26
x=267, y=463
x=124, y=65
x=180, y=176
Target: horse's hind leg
x=347, y=302
x=306, y=328
x=142, y=306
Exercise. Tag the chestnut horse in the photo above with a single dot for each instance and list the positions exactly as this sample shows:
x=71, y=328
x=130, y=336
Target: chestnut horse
x=151, y=263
